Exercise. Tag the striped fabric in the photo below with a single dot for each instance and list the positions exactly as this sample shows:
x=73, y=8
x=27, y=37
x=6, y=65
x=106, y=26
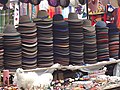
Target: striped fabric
x=6, y=16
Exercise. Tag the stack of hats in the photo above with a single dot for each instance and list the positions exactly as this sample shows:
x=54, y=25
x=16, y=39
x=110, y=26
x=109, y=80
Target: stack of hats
x=12, y=48
x=102, y=41
x=29, y=42
x=75, y=39
x=45, y=39
x=90, y=45
x=113, y=41
x=61, y=40
x=1, y=52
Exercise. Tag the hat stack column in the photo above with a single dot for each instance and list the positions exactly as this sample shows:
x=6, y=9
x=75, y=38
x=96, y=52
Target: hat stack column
x=12, y=48
x=102, y=41
x=28, y=33
x=113, y=41
x=61, y=40
x=75, y=39
x=90, y=44
x=45, y=39
x=1, y=52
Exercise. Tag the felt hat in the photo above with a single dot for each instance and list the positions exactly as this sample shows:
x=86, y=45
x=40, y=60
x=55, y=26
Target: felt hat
x=92, y=5
x=54, y=3
x=10, y=31
x=73, y=17
x=58, y=18
x=35, y=2
x=3, y=1
x=100, y=24
x=25, y=21
x=64, y=3
x=43, y=17
x=82, y=2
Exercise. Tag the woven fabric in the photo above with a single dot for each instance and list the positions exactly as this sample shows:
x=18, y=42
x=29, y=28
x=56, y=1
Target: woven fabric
x=6, y=16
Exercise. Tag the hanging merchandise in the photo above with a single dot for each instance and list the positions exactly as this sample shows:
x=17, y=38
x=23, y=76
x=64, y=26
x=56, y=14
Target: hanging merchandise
x=104, y=2
x=74, y=3
x=93, y=4
x=16, y=14
x=24, y=1
x=64, y=3
x=44, y=5
x=82, y=2
x=23, y=8
x=35, y=2
x=3, y=1
x=54, y=3
x=33, y=12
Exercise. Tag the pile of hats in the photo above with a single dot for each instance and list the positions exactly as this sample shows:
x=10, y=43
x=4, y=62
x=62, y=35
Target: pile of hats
x=29, y=42
x=75, y=39
x=90, y=45
x=61, y=40
x=12, y=48
x=45, y=39
x=1, y=51
x=113, y=41
x=102, y=41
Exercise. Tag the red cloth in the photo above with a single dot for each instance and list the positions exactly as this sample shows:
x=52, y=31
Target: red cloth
x=118, y=18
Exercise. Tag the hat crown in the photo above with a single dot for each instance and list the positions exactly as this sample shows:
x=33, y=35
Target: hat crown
x=42, y=14
x=100, y=24
x=87, y=22
x=72, y=16
x=58, y=17
x=10, y=29
x=24, y=19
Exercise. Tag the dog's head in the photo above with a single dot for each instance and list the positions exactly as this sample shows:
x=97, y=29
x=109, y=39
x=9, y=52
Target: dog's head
x=19, y=71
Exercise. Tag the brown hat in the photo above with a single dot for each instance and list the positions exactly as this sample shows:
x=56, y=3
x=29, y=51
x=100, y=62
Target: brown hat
x=25, y=21
x=10, y=31
x=73, y=17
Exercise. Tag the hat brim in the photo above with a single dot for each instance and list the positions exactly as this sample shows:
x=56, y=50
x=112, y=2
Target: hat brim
x=11, y=34
x=45, y=20
x=27, y=24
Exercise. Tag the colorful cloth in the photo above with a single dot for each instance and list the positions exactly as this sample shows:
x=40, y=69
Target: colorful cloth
x=118, y=18
x=6, y=16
